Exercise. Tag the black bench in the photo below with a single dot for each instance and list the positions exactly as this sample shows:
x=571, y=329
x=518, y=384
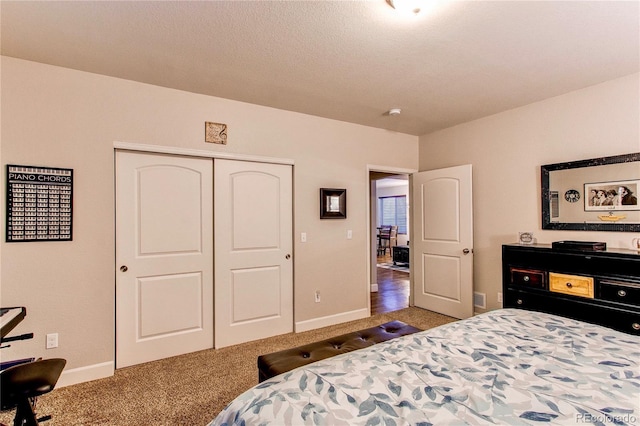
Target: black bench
x=275, y=363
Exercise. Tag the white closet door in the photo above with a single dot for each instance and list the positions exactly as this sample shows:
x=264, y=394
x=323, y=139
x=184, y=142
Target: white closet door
x=253, y=249
x=164, y=252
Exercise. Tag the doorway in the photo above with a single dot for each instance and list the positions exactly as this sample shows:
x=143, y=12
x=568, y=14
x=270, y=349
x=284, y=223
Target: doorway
x=441, y=242
x=390, y=266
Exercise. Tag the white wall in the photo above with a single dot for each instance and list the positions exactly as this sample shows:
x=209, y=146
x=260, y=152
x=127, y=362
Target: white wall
x=63, y=118
x=507, y=150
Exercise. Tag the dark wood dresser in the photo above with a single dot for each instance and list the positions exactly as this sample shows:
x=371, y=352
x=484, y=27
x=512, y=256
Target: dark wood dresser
x=600, y=287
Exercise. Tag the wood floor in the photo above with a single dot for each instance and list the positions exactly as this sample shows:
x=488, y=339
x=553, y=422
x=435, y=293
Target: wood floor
x=393, y=289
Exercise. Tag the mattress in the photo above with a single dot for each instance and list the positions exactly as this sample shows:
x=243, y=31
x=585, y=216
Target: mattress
x=507, y=366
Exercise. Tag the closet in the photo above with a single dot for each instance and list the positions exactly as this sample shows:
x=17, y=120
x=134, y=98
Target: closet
x=203, y=253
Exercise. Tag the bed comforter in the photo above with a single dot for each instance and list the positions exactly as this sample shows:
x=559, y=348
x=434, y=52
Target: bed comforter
x=508, y=366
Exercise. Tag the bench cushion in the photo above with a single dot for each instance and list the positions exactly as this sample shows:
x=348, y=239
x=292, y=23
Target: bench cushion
x=275, y=363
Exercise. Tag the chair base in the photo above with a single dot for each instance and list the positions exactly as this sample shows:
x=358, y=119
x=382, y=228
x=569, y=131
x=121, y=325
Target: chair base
x=25, y=416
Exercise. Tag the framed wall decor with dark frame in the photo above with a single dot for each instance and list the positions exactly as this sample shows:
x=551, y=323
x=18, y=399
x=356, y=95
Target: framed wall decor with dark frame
x=39, y=204
x=333, y=203
x=604, y=173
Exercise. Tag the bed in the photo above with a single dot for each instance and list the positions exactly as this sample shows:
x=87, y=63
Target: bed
x=508, y=366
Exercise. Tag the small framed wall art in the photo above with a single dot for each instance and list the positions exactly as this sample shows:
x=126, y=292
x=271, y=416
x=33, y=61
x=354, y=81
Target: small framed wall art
x=215, y=133
x=333, y=203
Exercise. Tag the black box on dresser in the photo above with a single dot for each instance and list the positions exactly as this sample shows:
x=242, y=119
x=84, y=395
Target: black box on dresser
x=600, y=287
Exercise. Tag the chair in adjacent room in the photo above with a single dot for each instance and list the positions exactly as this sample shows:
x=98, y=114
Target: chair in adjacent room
x=381, y=231
x=387, y=238
x=23, y=383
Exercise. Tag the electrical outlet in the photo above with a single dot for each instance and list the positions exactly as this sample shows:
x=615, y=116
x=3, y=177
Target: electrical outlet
x=317, y=296
x=499, y=297
x=52, y=340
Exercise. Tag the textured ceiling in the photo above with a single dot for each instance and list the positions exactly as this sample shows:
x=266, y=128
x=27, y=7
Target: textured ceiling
x=346, y=60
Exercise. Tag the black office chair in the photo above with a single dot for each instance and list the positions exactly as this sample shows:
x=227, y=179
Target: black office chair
x=22, y=383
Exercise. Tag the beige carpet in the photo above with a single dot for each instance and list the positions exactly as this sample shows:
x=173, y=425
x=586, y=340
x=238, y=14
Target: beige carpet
x=189, y=389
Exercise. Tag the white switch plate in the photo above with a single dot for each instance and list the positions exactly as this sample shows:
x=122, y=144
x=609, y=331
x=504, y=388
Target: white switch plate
x=303, y=237
x=349, y=234
x=52, y=340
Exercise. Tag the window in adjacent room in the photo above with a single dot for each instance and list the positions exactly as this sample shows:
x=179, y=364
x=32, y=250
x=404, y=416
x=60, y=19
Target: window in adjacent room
x=394, y=212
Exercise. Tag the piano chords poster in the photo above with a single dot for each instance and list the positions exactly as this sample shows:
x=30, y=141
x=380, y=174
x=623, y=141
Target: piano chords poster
x=39, y=204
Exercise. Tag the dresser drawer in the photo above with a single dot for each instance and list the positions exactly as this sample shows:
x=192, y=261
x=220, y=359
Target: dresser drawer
x=528, y=278
x=583, y=309
x=621, y=292
x=574, y=285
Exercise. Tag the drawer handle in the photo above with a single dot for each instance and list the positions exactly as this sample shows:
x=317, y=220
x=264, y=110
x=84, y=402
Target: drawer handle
x=526, y=278
x=519, y=301
x=569, y=285
x=635, y=326
x=622, y=293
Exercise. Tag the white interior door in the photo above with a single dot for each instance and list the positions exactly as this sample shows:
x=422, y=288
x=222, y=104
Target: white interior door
x=442, y=241
x=164, y=255
x=253, y=248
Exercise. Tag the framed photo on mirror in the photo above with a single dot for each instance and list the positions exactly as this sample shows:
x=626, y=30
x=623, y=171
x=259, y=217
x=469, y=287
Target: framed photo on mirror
x=614, y=195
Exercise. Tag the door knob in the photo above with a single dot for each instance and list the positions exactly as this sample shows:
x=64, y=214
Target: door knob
x=124, y=268
x=466, y=251
x=288, y=256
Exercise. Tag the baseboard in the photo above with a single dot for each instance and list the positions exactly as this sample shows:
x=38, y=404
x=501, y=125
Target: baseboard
x=86, y=374
x=374, y=288
x=331, y=320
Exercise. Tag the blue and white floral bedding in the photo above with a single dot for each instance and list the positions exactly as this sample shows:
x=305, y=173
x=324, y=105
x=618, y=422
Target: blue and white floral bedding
x=506, y=367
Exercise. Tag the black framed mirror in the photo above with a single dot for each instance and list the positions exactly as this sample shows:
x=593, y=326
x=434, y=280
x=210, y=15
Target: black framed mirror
x=333, y=203
x=600, y=194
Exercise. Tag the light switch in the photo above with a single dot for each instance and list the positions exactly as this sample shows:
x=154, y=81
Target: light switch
x=349, y=234
x=303, y=237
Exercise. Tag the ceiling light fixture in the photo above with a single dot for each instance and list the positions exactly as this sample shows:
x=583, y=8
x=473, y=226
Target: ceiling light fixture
x=394, y=111
x=406, y=6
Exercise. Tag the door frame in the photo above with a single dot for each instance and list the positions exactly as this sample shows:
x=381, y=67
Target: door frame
x=158, y=149
x=371, y=259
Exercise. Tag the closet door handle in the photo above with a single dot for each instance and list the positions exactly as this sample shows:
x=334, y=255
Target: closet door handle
x=124, y=268
x=288, y=256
